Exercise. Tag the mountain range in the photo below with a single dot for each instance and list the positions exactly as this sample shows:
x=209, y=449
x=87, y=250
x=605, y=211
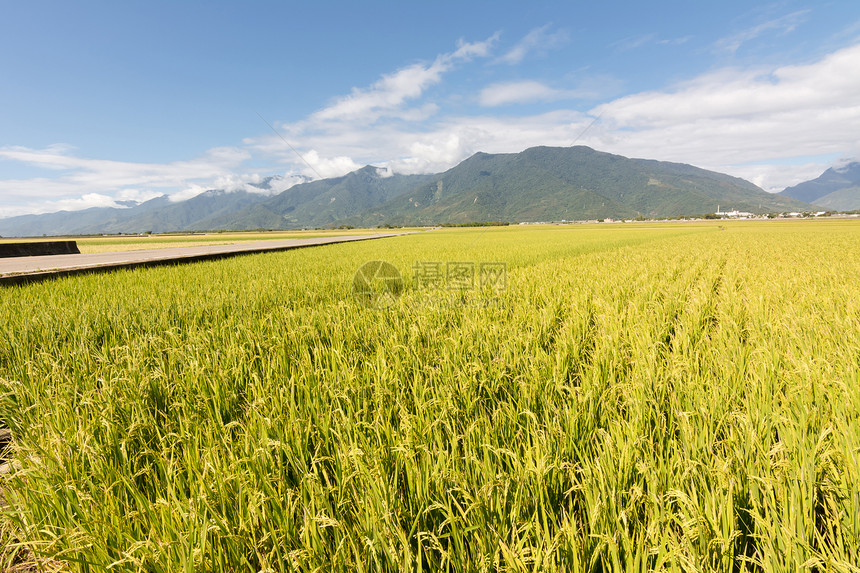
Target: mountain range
x=569, y=183
x=836, y=189
x=538, y=184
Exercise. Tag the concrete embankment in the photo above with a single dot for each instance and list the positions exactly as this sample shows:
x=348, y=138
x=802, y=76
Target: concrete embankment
x=30, y=269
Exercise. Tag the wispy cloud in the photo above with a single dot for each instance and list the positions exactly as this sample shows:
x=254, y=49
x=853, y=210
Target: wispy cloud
x=675, y=41
x=388, y=95
x=522, y=92
x=636, y=42
x=633, y=42
x=782, y=25
x=538, y=40
x=849, y=31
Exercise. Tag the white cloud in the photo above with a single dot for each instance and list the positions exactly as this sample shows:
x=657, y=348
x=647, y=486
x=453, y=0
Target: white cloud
x=136, y=195
x=53, y=157
x=538, y=40
x=849, y=157
x=468, y=50
x=255, y=183
x=85, y=182
x=384, y=172
x=85, y=201
x=730, y=118
x=188, y=193
x=521, y=92
x=238, y=182
x=387, y=95
x=104, y=175
x=329, y=167
x=281, y=184
x=765, y=174
x=363, y=122
x=457, y=138
x=731, y=93
x=437, y=150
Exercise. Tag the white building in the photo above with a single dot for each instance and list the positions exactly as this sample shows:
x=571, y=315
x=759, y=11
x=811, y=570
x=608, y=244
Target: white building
x=734, y=214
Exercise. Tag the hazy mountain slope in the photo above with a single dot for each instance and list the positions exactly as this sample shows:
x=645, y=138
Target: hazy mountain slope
x=323, y=202
x=188, y=215
x=88, y=221
x=837, y=188
x=158, y=215
x=847, y=199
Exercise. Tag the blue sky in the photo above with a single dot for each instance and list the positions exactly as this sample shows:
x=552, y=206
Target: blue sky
x=113, y=101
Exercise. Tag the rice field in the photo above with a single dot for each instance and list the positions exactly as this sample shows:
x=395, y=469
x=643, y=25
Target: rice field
x=681, y=397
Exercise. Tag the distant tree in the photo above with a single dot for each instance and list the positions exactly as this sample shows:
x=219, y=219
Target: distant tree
x=478, y=224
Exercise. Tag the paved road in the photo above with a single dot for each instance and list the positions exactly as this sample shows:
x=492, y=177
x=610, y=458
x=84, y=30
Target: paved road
x=29, y=269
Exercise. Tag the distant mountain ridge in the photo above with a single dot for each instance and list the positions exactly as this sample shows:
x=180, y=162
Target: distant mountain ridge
x=323, y=202
x=157, y=215
x=538, y=184
x=569, y=183
x=838, y=188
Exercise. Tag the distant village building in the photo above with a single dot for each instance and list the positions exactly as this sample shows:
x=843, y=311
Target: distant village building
x=733, y=214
